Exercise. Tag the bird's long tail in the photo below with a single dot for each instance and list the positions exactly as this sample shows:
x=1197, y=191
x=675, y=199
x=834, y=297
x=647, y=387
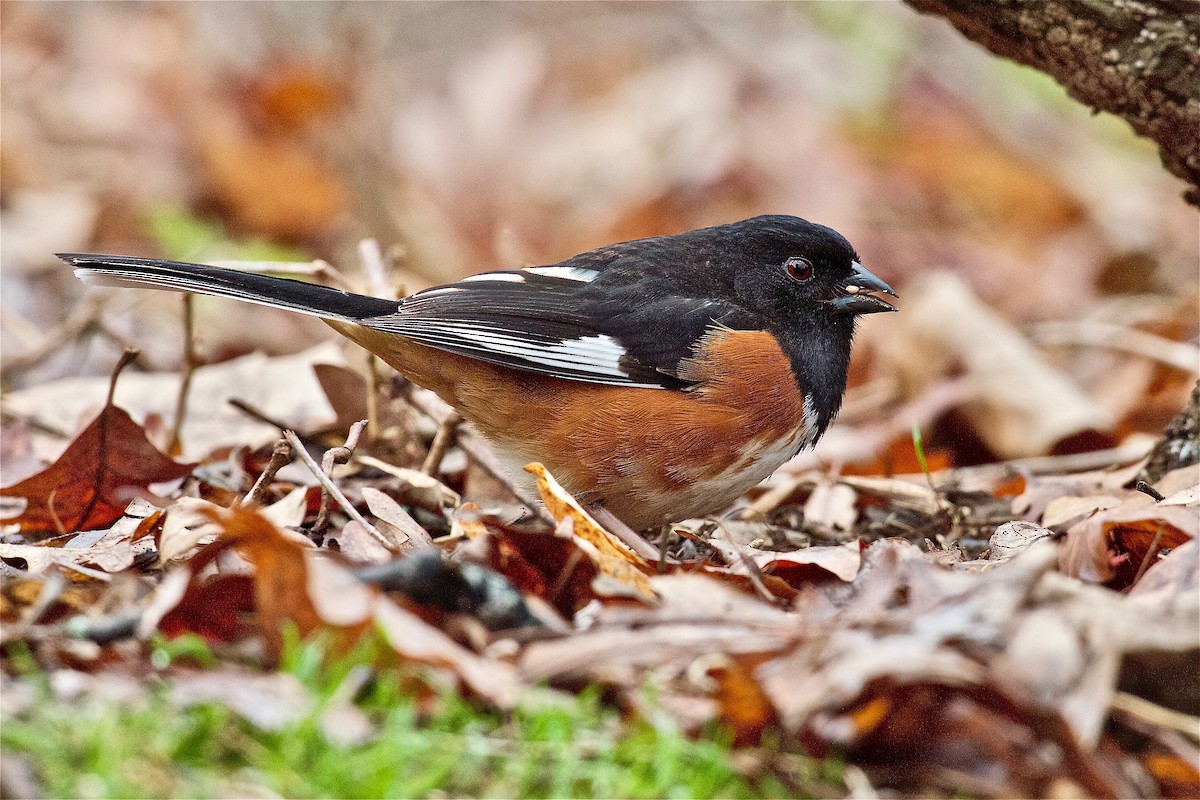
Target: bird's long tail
x=150, y=273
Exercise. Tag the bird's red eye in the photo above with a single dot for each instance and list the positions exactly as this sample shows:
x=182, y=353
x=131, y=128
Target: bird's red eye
x=800, y=269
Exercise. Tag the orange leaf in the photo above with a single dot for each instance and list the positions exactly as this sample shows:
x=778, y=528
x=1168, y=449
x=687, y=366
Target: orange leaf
x=611, y=556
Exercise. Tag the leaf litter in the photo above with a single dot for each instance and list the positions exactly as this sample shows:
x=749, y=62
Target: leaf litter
x=1000, y=674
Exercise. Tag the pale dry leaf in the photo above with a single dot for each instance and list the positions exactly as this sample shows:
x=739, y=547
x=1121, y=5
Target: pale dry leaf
x=337, y=596
x=1173, y=582
x=288, y=511
x=1068, y=508
x=917, y=496
x=271, y=701
x=1179, y=479
x=1022, y=406
x=1184, y=497
x=387, y=510
x=841, y=561
x=281, y=387
x=1014, y=538
x=357, y=544
x=109, y=557
x=466, y=522
x=1086, y=551
x=188, y=525
x=422, y=489
x=833, y=506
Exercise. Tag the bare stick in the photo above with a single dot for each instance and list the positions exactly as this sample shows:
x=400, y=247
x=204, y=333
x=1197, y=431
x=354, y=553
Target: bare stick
x=441, y=443
x=376, y=268
x=124, y=361
x=628, y=536
x=329, y=486
x=1149, y=490
x=334, y=456
x=190, y=362
x=280, y=455
x=1151, y=551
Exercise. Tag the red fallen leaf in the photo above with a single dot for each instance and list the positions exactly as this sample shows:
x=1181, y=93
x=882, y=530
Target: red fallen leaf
x=213, y=610
x=82, y=490
x=551, y=568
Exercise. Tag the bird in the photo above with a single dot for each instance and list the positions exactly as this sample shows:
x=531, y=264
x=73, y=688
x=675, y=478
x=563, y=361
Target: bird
x=660, y=377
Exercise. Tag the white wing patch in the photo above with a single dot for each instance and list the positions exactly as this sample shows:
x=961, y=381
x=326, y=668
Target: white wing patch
x=595, y=357
x=499, y=277
x=437, y=291
x=567, y=273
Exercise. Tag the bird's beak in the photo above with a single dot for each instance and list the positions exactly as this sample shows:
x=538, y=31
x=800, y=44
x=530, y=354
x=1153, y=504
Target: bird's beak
x=858, y=298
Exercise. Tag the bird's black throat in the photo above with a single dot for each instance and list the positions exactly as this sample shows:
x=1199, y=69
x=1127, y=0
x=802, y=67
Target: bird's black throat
x=819, y=351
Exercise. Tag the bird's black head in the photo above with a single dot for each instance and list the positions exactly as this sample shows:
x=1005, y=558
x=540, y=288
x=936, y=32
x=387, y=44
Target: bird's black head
x=787, y=268
x=805, y=284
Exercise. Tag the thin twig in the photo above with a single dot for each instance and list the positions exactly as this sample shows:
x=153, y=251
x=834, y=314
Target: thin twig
x=376, y=268
x=441, y=443
x=329, y=486
x=374, y=387
x=752, y=569
x=1155, y=714
x=628, y=536
x=1150, y=553
x=1149, y=490
x=255, y=414
x=190, y=362
x=280, y=454
x=334, y=456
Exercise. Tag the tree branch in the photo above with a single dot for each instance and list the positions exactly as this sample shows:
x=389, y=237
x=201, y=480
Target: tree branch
x=1138, y=59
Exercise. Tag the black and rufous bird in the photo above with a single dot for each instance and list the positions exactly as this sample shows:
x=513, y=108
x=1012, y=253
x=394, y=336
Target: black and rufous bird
x=661, y=377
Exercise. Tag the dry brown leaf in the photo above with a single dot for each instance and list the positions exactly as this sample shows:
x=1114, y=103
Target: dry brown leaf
x=418, y=488
x=744, y=707
x=271, y=184
x=796, y=567
x=294, y=583
x=188, y=524
x=466, y=521
x=288, y=511
x=359, y=546
x=89, y=486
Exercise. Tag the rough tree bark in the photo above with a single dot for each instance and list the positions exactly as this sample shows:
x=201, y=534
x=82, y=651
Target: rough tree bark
x=1138, y=59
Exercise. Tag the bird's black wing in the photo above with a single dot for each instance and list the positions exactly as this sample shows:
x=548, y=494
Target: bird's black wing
x=597, y=326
